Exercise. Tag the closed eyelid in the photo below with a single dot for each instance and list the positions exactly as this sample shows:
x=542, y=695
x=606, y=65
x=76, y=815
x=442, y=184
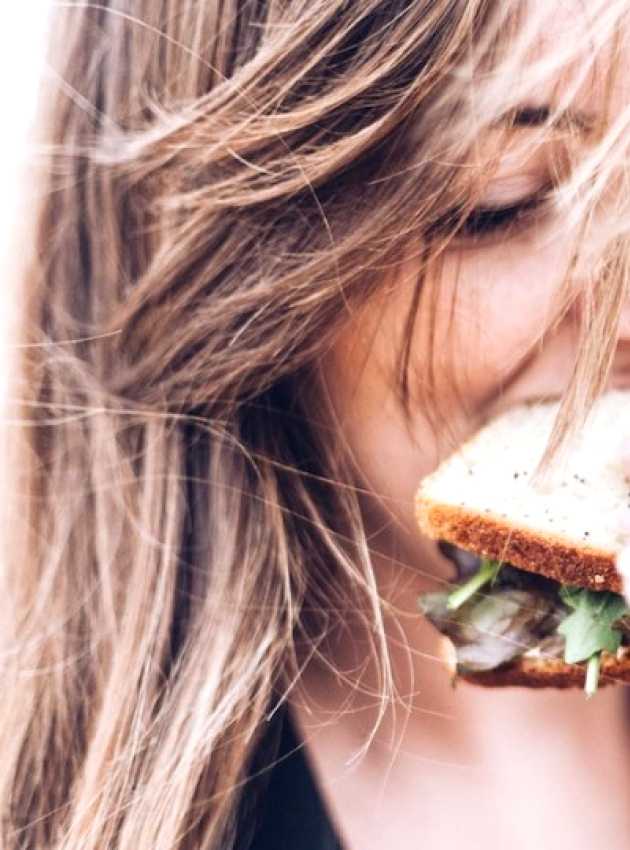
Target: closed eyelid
x=516, y=169
x=504, y=191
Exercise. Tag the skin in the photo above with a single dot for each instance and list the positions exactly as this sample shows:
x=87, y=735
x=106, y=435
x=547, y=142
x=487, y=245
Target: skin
x=482, y=767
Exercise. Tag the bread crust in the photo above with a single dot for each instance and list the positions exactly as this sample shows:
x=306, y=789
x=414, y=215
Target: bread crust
x=554, y=557
x=550, y=673
x=488, y=535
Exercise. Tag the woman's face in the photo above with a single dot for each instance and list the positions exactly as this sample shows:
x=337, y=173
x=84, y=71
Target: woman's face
x=501, y=337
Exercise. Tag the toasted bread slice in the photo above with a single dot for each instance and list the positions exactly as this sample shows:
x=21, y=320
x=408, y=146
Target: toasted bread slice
x=481, y=498
x=551, y=673
x=537, y=551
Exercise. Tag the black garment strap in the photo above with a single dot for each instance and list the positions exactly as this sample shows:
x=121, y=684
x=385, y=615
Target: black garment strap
x=292, y=814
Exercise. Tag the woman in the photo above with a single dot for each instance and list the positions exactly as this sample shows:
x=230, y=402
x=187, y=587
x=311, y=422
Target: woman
x=287, y=256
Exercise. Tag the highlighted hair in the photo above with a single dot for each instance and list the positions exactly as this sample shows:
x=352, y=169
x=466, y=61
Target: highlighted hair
x=224, y=184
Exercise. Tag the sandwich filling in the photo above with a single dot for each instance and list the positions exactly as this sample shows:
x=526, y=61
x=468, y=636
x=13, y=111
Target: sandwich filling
x=501, y=613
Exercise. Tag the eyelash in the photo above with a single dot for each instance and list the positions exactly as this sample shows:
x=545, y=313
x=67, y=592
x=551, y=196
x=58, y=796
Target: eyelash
x=484, y=221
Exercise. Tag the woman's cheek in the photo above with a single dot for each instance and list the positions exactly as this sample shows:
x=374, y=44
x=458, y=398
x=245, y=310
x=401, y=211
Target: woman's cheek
x=505, y=299
x=488, y=307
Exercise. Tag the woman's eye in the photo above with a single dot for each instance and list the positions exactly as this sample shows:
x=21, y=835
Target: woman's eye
x=485, y=221
x=482, y=221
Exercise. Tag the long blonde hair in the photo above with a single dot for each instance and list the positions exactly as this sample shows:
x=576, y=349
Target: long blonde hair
x=222, y=185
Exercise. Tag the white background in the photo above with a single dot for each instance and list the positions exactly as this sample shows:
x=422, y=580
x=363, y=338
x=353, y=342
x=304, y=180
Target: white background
x=23, y=34
x=22, y=42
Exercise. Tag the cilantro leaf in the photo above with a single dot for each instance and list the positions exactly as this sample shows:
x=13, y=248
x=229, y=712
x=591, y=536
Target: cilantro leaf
x=589, y=628
x=593, y=626
x=570, y=595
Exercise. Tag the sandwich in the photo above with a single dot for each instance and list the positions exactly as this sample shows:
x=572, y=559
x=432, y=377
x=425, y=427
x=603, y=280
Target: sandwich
x=538, y=601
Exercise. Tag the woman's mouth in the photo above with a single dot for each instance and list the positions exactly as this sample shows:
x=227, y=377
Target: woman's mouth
x=466, y=563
